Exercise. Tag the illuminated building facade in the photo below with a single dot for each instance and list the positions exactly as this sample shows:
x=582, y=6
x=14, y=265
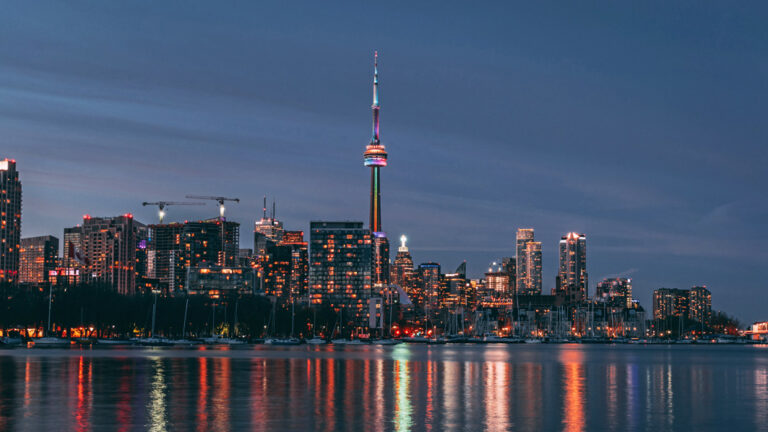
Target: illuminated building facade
x=615, y=292
x=572, y=281
x=38, y=257
x=215, y=281
x=202, y=242
x=266, y=232
x=509, y=265
x=700, y=305
x=528, y=268
x=375, y=157
x=165, y=255
x=108, y=249
x=669, y=302
x=340, y=266
x=497, y=280
x=430, y=286
x=299, y=277
x=402, y=273
x=10, y=221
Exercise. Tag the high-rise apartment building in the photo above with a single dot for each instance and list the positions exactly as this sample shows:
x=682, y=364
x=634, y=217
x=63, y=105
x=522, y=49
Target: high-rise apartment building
x=105, y=250
x=615, y=292
x=430, y=286
x=165, y=255
x=509, y=264
x=497, y=280
x=340, y=266
x=528, y=277
x=202, y=243
x=669, y=302
x=38, y=257
x=299, y=277
x=700, y=305
x=572, y=281
x=10, y=221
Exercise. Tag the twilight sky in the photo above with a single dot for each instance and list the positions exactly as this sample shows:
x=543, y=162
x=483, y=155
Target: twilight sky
x=642, y=125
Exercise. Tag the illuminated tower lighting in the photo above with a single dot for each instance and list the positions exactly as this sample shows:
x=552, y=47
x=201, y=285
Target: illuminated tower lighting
x=375, y=156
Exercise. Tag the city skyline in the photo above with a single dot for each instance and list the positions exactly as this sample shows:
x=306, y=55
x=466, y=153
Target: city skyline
x=661, y=231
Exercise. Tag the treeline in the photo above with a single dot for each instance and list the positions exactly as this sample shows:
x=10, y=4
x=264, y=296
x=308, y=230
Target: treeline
x=109, y=314
x=676, y=327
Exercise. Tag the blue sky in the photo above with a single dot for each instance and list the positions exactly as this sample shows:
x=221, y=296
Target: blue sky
x=639, y=124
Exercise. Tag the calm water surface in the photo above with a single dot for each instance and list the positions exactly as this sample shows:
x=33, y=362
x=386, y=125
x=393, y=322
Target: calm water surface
x=405, y=387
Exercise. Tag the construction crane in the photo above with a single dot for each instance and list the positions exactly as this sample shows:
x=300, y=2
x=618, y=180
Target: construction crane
x=161, y=205
x=218, y=199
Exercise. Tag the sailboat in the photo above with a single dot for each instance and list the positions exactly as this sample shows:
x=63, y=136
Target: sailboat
x=387, y=340
x=341, y=340
x=315, y=340
x=153, y=340
x=51, y=341
x=285, y=341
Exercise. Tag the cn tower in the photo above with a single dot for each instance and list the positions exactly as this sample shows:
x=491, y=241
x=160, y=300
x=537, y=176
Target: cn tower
x=375, y=156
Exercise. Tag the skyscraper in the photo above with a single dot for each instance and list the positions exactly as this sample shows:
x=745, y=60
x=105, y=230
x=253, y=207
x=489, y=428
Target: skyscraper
x=402, y=272
x=528, y=263
x=340, y=266
x=38, y=259
x=375, y=156
x=572, y=274
x=267, y=231
x=10, y=221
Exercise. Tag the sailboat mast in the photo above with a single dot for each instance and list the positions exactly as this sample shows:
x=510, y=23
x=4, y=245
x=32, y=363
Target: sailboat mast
x=50, y=300
x=184, y=324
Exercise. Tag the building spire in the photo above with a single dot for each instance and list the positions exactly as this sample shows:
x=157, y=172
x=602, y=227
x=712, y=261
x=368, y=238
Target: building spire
x=375, y=106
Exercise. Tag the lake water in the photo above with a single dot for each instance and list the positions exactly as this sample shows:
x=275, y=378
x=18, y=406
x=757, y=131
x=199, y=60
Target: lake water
x=404, y=387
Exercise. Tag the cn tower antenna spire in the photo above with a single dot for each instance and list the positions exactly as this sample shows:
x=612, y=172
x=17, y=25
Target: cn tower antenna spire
x=375, y=106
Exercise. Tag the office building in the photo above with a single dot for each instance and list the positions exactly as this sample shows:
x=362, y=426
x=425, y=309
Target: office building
x=268, y=231
x=10, y=221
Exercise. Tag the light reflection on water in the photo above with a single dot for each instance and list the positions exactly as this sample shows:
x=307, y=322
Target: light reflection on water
x=463, y=387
